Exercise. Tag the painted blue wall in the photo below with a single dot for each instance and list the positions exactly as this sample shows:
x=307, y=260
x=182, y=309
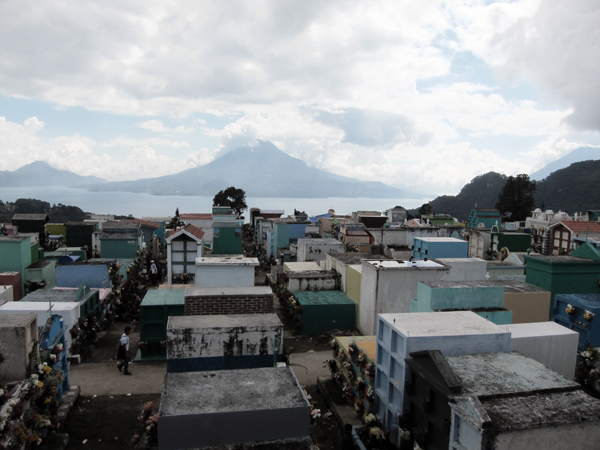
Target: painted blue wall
x=93, y=275
x=440, y=249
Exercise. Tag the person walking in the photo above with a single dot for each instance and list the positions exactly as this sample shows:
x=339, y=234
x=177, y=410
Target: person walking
x=153, y=272
x=123, y=353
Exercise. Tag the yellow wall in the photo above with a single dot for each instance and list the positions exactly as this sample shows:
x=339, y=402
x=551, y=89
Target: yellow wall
x=353, y=279
x=56, y=229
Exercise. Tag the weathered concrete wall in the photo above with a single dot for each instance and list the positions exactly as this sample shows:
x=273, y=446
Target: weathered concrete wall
x=464, y=269
x=496, y=269
x=548, y=343
x=69, y=312
x=214, y=301
x=319, y=280
x=19, y=333
x=388, y=289
x=197, y=343
x=584, y=436
x=233, y=407
x=224, y=275
x=7, y=293
x=393, y=237
x=316, y=249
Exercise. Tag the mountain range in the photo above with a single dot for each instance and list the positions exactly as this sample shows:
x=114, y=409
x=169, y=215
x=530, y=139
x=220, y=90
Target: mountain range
x=39, y=173
x=577, y=155
x=262, y=171
x=571, y=189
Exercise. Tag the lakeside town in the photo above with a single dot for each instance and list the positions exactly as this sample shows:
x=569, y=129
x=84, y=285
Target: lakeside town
x=371, y=329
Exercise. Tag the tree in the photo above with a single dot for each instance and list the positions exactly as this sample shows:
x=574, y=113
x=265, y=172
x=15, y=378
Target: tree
x=175, y=221
x=236, y=198
x=425, y=210
x=516, y=197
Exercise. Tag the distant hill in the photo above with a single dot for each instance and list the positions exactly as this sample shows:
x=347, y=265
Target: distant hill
x=39, y=173
x=573, y=189
x=262, y=171
x=483, y=190
x=577, y=155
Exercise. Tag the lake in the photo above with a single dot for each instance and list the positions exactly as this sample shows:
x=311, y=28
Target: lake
x=124, y=203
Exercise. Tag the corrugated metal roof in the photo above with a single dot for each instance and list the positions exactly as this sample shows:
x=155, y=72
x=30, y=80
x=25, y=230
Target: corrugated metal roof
x=30, y=217
x=193, y=216
x=146, y=223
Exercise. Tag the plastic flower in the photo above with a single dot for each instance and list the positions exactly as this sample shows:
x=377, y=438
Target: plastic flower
x=370, y=418
x=588, y=315
x=570, y=309
x=315, y=413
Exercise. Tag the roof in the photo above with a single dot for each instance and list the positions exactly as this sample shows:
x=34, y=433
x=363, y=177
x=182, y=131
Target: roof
x=198, y=216
x=190, y=230
x=487, y=209
x=42, y=217
x=578, y=226
x=146, y=223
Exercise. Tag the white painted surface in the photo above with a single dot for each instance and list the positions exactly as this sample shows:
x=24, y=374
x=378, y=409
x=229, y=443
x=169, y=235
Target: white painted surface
x=548, y=343
x=227, y=275
x=7, y=293
x=316, y=249
x=297, y=266
x=464, y=269
x=68, y=311
x=387, y=287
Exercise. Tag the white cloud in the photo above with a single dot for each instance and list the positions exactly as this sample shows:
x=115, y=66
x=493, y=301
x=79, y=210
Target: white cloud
x=79, y=154
x=333, y=83
x=132, y=142
x=552, y=148
x=158, y=127
x=552, y=43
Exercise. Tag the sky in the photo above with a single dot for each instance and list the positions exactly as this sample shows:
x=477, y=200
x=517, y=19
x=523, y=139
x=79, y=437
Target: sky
x=422, y=95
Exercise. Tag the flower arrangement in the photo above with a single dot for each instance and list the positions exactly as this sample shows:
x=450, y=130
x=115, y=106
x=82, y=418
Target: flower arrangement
x=352, y=349
x=341, y=356
x=588, y=315
x=370, y=418
x=58, y=349
x=347, y=391
x=361, y=360
x=570, y=309
x=370, y=394
x=360, y=384
x=370, y=370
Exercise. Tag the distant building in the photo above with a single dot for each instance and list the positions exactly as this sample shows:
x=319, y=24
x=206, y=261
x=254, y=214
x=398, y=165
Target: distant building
x=183, y=247
x=484, y=218
x=438, y=219
x=396, y=215
x=203, y=221
x=563, y=233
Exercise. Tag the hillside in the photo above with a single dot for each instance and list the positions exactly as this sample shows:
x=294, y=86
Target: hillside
x=39, y=173
x=572, y=189
x=262, y=171
x=483, y=190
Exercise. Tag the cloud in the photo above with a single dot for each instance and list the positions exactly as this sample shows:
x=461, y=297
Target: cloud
x=554, y=44
x=370, y=128
x=132, y=142
x=79, y=154
x=158, y=127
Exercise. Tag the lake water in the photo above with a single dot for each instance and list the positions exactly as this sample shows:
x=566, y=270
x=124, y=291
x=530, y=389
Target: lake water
x=124, y=203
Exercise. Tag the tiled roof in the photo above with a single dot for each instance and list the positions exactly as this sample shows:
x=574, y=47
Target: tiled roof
x=146, y=223
x=578, y=226
x=196, y=216
x=194, y=230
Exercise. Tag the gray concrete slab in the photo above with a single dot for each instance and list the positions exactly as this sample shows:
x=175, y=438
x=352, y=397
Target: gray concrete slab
x=308, y=366
x=105, y=379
